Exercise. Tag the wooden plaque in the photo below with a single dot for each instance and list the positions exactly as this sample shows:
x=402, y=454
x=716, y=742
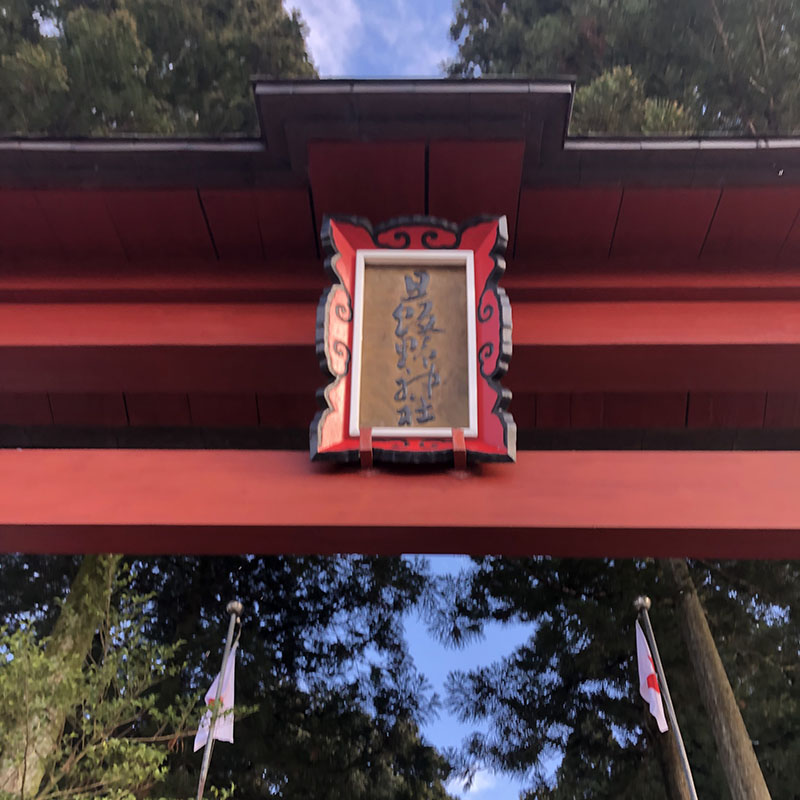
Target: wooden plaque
x=414, y=335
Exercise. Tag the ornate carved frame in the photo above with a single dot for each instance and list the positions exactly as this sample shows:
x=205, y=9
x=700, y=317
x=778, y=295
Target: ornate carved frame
x=341, y=238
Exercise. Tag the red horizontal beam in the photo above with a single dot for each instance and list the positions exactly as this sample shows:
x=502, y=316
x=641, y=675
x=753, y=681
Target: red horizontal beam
x=704, y=504
x=156, y=324
x=302, y=280
x=268, y=347
x=574, y=324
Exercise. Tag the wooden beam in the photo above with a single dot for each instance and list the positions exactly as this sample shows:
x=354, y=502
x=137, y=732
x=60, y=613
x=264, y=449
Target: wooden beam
x=269, y=347
x=704, y=504
x=536, y=324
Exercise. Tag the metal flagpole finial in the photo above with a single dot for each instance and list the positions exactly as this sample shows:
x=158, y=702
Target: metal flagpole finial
x=642, y=603
x=234, y=607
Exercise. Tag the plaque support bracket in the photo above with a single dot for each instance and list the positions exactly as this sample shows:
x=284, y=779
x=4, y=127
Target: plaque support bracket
x=365, y=447
x=459, y=450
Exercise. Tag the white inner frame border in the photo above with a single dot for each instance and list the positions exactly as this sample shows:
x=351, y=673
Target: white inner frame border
x=385, y=257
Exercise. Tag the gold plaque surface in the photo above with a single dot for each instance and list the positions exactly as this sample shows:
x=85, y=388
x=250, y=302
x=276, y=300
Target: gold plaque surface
x=414, y=349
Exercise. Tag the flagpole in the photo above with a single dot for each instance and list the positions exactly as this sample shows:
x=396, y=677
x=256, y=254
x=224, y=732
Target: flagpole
x=642, y=604
x=234, y=608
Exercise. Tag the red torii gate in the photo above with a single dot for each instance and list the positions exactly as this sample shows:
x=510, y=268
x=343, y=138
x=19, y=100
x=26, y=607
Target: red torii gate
x=157, y=319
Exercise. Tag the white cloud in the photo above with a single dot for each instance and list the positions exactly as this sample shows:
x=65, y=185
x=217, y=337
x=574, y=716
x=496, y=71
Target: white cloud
x=482, y=782
x=334, y=30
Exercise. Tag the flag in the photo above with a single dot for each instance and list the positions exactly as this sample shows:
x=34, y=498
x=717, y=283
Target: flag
x=223, y=728
x=648, y=680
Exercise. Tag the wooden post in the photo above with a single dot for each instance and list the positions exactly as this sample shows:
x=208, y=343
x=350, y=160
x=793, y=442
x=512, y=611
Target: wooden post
x=734, y=747
x=670, y=760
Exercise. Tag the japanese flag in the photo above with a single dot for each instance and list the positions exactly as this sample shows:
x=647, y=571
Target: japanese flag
x=648, y=680
x=223, y=728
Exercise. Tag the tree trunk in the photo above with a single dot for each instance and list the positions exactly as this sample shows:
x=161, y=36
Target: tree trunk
x=23, y=765
x=734, y=747
x=670, y=760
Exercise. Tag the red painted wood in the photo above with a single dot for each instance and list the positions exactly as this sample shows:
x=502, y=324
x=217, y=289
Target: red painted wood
x=171, y=369
x=540, y=324
x=157, y=408
x=223, y=409
x=711, y=504
x=644, y=410
x=81, y=224
x=302, y=280
x=655, y=224
x=24, y=229
x=282, y=410
x=88, y=409
x=376, y=180
x=471, y=178
x=677, y=280
x=556, y=225
x=162, y=281
x=523, y=409
x=104, y=324
x=233, y=219
x=657, y=323
x=586, y=409
x=654, y=368
x=258, y=224
x=287, y=228
x=790, y=252
x=25, y=409
x=165, y=223
x=752, y=222
x=558, y=347
x=715, y=410
x=783, y=410
x=552, y=410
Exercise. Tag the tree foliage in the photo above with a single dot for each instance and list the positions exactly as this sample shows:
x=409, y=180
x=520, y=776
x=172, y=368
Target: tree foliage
x=100, y=67
x=563, y=709
x=336, y=700
x=112, y=732
x=616, y=101
x=715, y=65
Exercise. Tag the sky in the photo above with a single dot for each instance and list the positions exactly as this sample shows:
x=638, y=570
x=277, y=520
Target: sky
x=378, y=38
x=436, y=661
x=392, y=39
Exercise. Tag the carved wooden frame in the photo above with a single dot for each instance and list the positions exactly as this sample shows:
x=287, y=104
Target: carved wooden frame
x=342, y=238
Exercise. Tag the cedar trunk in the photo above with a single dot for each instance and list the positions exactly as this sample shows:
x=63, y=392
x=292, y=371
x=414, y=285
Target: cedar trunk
x=670, y=760
x=734, y=747
x=36, y=741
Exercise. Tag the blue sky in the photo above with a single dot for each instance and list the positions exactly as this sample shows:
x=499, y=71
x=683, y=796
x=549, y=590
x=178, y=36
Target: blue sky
x=436, y=661
x=378, y=38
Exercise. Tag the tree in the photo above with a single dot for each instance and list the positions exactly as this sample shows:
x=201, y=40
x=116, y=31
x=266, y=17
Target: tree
x=114, y=737
x=735, y=749
x=100, y=67
x=322, y=658
x=563, y=709
x=730, y=65
x=32, y=735
x=616, y=101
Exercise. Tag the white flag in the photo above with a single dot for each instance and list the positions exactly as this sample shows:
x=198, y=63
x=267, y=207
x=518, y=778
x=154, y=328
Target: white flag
x=223, y=728
x=648, y=680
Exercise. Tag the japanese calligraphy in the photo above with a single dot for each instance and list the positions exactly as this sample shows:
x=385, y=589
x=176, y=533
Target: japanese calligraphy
x=415, y=334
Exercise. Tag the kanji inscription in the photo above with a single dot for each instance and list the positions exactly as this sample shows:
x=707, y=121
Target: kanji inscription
x=414, y=368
